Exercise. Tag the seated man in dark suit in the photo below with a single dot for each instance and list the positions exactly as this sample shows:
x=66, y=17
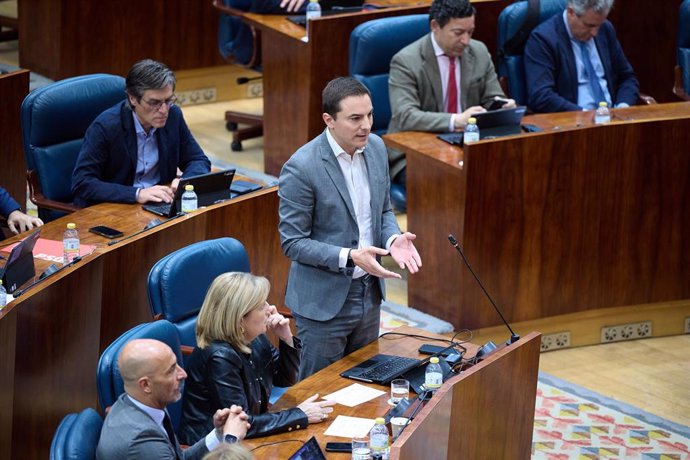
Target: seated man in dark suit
x=17, y=221
x=573, y=61
x=424, y=94
x=138, y=144
x=139, y=427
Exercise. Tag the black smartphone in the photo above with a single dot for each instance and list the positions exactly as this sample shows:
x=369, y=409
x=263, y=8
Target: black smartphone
x=338, y=447
x=428, y=349
x=106, y=231
x=497, y=104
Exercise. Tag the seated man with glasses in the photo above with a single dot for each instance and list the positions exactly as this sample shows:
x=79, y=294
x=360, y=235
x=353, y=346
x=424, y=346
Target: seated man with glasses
x=138, y=144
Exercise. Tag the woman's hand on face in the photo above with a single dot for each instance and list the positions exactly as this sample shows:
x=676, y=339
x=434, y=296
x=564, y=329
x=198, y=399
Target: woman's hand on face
x=279, y=324
x=316, y=411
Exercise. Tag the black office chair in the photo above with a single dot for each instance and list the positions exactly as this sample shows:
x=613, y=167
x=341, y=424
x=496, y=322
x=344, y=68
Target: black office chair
x=681, y=88
x=239, y=44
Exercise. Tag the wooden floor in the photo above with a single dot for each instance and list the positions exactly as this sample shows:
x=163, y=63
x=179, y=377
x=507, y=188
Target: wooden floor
x=653, y=374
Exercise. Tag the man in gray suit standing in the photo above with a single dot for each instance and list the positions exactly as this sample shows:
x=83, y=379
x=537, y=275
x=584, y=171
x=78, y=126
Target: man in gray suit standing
x=335, y=221
x=139, y=427
x=425, y=94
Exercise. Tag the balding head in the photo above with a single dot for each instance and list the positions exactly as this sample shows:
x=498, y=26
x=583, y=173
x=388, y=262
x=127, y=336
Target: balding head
x=150, y=372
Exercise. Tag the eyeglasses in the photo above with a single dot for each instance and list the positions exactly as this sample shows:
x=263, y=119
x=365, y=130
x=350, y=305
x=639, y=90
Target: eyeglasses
x=155, y=105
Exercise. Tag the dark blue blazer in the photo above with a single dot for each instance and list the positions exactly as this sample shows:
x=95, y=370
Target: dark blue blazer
x=551, y=73
x=107, y=161
x=7, y=203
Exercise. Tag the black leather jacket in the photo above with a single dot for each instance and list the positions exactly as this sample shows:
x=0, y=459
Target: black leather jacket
x=219, y=376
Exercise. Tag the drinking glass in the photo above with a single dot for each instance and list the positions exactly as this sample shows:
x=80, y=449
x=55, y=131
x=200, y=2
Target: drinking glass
x=400, y=389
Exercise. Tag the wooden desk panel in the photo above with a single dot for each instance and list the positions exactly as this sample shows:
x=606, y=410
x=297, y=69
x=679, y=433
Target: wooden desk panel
x=13, y=89
x=52, y=336
x=563, y=221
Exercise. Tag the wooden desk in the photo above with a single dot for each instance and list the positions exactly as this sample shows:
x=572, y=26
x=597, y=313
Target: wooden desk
x=295, y=73
x=576, y=218
x=483, y=402
x=51, y=337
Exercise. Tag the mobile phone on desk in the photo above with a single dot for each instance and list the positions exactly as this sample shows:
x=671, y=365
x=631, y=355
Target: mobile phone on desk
x=428, y=349
x=498, y=103
x=338, y=447
x=108, y=232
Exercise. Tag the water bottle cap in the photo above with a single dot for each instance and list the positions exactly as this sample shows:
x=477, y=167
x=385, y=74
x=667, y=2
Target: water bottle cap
x=71, y=226
x=472, y=121
x=189, y=187
x=603, y=104
x=434, y=360
x=380, y=421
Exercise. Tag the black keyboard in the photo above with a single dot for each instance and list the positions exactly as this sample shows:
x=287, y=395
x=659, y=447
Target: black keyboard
x=162, y=209
x=389, y=369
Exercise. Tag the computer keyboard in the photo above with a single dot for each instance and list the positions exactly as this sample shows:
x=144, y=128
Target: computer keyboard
x=162, y=209
x=389, y=369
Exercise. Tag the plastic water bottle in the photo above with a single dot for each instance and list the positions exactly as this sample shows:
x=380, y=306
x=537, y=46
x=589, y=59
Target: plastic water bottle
x=471, y=131
x=70, y=244
x=313, y=12
x=3, y=296
x=603, y=114
x=378, y=439
x=189, y=200
x=433, y=377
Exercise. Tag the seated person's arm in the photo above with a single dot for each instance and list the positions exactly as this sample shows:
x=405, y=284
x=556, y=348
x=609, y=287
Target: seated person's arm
x=406, y=103
x=540, y=71
x=627, y=84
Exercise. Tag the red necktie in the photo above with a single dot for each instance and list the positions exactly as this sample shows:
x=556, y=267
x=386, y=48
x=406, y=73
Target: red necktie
x=452, y=87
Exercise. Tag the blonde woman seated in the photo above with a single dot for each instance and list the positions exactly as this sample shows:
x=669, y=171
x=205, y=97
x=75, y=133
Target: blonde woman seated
x=234, y=362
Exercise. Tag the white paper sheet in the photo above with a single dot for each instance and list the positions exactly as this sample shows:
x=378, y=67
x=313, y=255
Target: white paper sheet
x=354, y=395
x=349, y=427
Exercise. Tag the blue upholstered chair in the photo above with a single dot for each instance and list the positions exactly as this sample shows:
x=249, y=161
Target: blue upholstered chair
x=372, y=46
x=511, y=68
x=54, y=119
x=108, y=378
x=76, y=438
x=239, y=44
x=682, y=84
x=177, y=283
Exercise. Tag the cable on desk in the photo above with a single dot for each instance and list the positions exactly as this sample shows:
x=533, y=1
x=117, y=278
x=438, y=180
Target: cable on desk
x=278, y=442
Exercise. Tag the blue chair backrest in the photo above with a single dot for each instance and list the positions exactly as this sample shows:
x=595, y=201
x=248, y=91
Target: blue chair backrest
x=372, y=46
x=235, y=38
x=684, y=43
x=54, y=119
x=177, y=283
x=108, y=378
x=510, y=21
x=76, y=438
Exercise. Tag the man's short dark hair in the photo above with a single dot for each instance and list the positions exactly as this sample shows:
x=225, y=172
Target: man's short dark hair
x=580, y=7
x=148, y=74
x=442, y=11
x=338, y=89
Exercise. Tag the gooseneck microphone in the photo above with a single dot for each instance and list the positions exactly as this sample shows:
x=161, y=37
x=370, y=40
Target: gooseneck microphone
x=150, y=225
x=513, y=336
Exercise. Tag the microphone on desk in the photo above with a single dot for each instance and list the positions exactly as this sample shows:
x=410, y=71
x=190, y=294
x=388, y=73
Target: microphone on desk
x=50, y=271
x=489, y=346
x=243, y=80
x=153, y=223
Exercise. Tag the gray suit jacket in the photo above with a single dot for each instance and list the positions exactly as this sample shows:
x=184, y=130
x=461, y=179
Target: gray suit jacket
x=317, y=219
x=128, y=432
x=416, y=94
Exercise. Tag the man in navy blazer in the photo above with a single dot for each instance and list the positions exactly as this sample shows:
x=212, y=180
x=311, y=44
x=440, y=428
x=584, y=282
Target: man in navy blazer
x=336, y=222
x=562, y=49
x=137, y=145
x=17, y=221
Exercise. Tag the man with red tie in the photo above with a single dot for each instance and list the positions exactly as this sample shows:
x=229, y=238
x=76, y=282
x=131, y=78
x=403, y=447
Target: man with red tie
x=438, y=82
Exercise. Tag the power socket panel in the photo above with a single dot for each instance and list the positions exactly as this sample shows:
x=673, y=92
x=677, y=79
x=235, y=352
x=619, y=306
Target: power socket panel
x=255, y=89
x=197, y=96
x=555, y=341
x=686, y=329
x=624, y=332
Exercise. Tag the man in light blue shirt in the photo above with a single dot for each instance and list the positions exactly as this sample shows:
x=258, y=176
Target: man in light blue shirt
x=574, y=61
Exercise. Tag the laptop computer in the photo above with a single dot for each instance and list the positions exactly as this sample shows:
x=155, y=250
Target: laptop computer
x=328, y=8
x=210, y=188
x=20, y=266
x=492, y=124
x=310, y=450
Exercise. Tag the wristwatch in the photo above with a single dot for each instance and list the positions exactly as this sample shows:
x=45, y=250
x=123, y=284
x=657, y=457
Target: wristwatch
x=350, y=263
x=230, y=439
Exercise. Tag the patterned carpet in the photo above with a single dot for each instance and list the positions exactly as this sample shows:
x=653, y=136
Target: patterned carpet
x=572, y=422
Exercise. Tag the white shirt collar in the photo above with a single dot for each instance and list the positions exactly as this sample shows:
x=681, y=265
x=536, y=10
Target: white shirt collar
x=156, y=414
x=337, y=149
